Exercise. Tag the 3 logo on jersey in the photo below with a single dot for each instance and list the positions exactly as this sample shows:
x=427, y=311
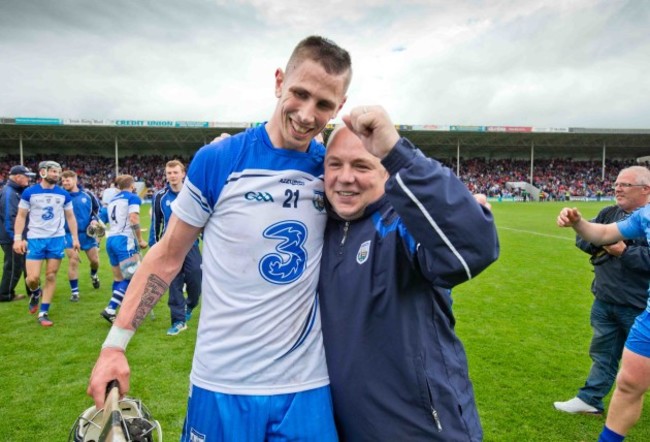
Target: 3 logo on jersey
x=288, y=262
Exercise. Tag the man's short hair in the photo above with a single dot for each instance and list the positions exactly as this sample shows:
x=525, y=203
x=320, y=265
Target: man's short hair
x=641, y=172
x=334, y=59
x=124, y=182
x=175, y=163
x=69, y=174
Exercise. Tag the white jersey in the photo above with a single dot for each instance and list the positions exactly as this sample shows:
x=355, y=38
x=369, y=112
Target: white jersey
x=118, y=211
x=264, y=217
x=46, y=211
x=108, y=194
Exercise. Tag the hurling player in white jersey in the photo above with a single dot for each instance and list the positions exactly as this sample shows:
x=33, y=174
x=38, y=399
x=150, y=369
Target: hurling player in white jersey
x=124, y=240
x=259, y=366
x=48, y=207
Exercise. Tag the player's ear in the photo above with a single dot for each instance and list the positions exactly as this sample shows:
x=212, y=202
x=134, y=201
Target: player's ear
x=279, y=79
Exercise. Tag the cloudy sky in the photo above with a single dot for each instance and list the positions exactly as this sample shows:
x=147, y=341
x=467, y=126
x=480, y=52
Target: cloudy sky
x=565, y=63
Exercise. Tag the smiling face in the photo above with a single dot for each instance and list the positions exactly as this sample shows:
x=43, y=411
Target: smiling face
x=308, y=98
x=354, y=178
x=69, y=183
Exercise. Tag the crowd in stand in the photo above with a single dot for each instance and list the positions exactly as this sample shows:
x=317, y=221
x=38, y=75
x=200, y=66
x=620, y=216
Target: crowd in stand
x=96, y=173
x=556, y=178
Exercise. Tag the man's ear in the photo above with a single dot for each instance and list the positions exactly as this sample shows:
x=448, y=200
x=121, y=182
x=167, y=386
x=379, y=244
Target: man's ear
x=279, y=79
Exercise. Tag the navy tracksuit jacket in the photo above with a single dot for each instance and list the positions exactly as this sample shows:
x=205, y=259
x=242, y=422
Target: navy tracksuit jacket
x=397, y=370
x=190, y=274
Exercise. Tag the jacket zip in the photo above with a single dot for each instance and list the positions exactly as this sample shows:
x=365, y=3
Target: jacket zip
x=434, y=412
x=436, y=419
x=346, y=227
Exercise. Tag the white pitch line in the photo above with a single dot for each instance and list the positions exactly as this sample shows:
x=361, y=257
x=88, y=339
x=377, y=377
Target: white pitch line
x=531, y=232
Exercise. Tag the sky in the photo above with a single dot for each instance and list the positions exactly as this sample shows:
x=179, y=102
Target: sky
x=565, y=63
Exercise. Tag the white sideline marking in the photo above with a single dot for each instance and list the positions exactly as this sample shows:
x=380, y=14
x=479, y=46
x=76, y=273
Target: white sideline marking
x=531, y=232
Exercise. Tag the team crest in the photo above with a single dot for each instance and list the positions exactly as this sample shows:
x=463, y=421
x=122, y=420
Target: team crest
x=319, y=200
x=195, y=436
x=168, y=203
x=364, y=251
x=84, y=200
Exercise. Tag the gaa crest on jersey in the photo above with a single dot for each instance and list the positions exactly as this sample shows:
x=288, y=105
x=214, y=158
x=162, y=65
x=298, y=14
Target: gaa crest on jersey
x=364, y=251
x=195, y=436
x=84, y=200
x=168, y=203
x=319, y=200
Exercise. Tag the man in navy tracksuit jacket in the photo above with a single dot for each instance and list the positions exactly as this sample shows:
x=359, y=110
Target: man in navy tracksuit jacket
x=398, y=371
x=14, y=264
x=190, y=274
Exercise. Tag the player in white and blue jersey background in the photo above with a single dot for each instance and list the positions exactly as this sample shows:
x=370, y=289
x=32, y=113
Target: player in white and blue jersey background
x=49, y=207
x=86, y=207
x=124, y=240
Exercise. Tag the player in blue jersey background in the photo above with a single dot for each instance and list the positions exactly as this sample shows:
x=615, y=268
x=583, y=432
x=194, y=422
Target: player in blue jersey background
x=49, y=207
x=259, y=368
x=86, y=207
x=190, y=274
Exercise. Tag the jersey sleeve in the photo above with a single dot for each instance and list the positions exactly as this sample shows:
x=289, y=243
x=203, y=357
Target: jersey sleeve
x=134, y=204
x=632, y=226
x=197, y=198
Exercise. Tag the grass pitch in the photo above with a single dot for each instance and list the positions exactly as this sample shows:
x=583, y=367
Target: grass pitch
x=524, y=323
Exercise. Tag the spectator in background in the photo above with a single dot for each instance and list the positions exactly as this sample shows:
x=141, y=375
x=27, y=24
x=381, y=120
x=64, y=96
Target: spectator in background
x=620, y=288
x=86, y=208
x=49, y=207
x=190, y=274
x=14, y=263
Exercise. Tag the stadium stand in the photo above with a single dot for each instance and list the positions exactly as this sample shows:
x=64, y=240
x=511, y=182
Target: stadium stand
x=502, y=162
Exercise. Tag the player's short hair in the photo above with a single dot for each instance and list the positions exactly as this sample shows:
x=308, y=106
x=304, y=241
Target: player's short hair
x=69, y=174
x=175, y=163
x=124, y=182
x=334, y=59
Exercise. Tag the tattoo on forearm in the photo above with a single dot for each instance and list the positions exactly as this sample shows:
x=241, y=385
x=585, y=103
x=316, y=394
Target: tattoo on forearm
x=154, y=288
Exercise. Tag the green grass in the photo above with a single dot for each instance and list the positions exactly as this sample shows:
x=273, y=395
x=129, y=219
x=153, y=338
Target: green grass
x=524, y=322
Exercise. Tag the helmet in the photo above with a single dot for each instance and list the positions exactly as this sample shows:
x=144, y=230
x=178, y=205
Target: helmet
x=96, y=230
x=48, y=165
x=137, y=423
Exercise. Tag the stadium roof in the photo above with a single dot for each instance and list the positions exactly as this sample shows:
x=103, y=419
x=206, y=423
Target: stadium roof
x=184, y=137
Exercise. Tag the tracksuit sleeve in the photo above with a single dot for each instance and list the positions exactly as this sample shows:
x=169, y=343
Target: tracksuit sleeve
x=636, y=257
x=156, y=218
x=456, y=236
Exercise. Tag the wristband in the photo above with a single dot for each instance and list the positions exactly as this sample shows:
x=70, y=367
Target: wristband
x=118, y=338
x=18, y=237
